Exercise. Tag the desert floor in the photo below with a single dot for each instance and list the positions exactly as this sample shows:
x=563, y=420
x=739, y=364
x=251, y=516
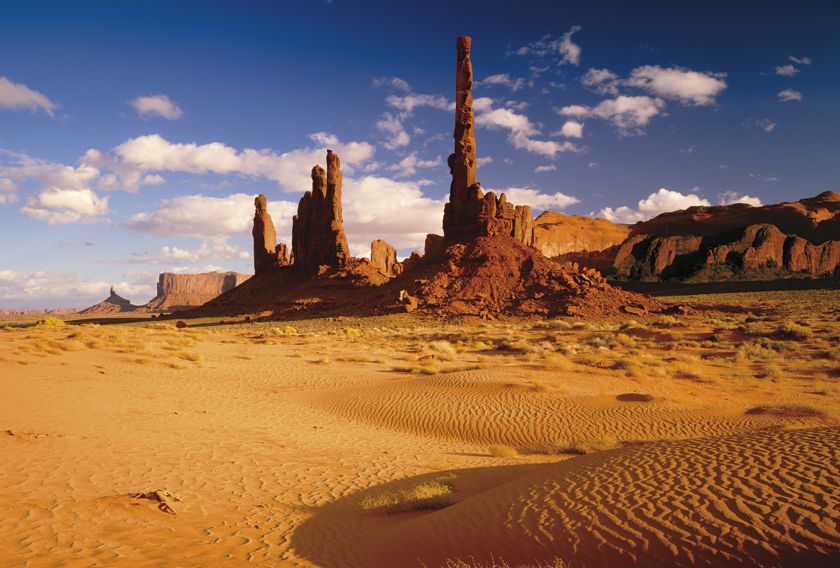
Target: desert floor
x=705, y=439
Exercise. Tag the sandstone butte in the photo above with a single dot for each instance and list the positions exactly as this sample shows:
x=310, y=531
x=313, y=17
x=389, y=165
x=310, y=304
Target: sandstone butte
x=113, y=304
x=483, y=264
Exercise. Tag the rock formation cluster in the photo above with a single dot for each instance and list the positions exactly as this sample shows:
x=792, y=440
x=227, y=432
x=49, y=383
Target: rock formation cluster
x=317, y=230
x=267, y=253
x=470, y=212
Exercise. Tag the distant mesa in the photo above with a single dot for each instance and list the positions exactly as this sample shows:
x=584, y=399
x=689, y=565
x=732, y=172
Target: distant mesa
x=177, y=292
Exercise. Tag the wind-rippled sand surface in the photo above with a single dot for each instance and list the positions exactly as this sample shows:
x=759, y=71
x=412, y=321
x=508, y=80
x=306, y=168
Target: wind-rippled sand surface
x=260, y=444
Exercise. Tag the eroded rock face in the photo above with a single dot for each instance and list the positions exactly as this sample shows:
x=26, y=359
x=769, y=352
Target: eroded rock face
x=267, y=253
x=317, y=230
x=470, y=213
x=757, y=251
x=114, y=303
x=180, y=291
x=557, y=234
x=384, y=257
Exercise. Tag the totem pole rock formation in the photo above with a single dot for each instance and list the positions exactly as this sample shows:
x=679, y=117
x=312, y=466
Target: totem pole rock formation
x=267, y=253
x=317, y=230
x=470, y=213
x=384, y=257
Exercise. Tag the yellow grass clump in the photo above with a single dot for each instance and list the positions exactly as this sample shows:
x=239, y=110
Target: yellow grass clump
x=427, y=495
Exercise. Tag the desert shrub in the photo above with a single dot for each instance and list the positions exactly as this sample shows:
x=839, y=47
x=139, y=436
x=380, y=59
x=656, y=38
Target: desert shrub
x=625, y=340
x=444, y=348
x=791, y=330
x=502, y=451
x=352, y=332
x=588, y=446
x=50, y=322
x=769, y=371
x=501, y=563
x=788, y=411
x=427, y=495
x=752, y=351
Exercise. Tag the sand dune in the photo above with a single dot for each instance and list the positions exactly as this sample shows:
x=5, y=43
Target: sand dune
x=484, y=407
x=769, y=498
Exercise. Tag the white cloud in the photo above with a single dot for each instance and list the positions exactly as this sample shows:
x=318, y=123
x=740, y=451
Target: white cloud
x=393, y=126
x=484, y=160
x=765, y=124
x=17, y=96
x=153, y=179
x=522, y=132
x=375, y=208
x=654, y=204
x=66, y=289
x=395, y=82
x=157, y=105
x=407, y=103
x=59, y=206
x=790, y=95
x=535, y=198
x=601, y=81
x=503, y=80
x=408, y=165
x=730, y=197
x=800, y=60
x=572, y=129
x=210, y=249
x=136, y=157
x=546, y=168
x=684, y=85
x=209, y=217
x=564, y=49
x=8, y=191
x=628, y=114
x=786, y=70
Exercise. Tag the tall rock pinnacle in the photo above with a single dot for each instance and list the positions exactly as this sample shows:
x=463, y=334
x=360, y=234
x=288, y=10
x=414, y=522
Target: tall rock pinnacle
x=470, y=213
x=317, y=231
x=267, y=253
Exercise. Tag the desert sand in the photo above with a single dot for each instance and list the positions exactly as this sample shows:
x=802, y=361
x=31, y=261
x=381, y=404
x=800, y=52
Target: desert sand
x=705, y=439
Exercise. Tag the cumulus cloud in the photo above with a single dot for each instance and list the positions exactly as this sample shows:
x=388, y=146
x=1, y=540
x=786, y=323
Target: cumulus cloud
x=786, y=70
x=559, y=51
x=408, y=166
x=394, y=82
x=684, y=85
x=157, y=105
x=59, y=206
x=629, y=114
x=536, y=199
x=17, y=96
x=393, y=126
x=503, y=80
x=572, y=129
x=730, y=197
x=790, y=95
x=800, y=60
x=8, y=191
x=654, y=204
x=208, y=217
x=407, y=103
x=546, y=168
x=67, y=289
x=765, y=124
x=211, y=249
x=522, y=132
x=132, y=160
x=602, y=81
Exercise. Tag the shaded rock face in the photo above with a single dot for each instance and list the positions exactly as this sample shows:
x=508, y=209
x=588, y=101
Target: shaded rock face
x=384, y=257
x=317, y=230
x=757, y=251
x=180, y=291
x=470, y=213
x=111, y=305
x=267, y=253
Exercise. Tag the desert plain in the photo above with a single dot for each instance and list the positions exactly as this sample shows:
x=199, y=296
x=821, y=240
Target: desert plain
x=708, y=438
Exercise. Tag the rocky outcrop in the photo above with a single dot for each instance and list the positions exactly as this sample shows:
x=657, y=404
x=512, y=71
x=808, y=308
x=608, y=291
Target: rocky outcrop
x=557, y=234
x=471, y=213
x=384, y=257
x=113, y=304
x=267, y=253
x=182, y=291
x=317, y=230
x=755, y=252
x=816, y=219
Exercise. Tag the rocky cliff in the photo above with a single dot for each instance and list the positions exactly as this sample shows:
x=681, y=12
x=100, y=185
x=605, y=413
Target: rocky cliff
x=557, y=234
x=470, y=212
x=181, y=291
x=113, y=304
x=267, y=253
x=384, y=257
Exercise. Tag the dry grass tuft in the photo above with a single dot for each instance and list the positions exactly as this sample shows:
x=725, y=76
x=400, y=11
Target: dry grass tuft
x=788, y=411
x=502, y=451
x=501, y=563
x=428, y=495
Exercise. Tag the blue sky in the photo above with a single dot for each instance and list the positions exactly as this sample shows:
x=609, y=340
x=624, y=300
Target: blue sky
x=134, y=135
